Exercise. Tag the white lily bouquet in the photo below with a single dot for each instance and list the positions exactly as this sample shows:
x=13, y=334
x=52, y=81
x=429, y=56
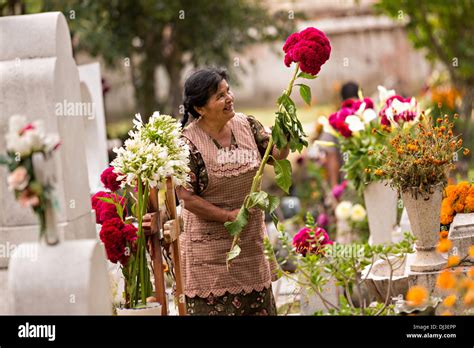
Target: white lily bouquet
x=153, y=152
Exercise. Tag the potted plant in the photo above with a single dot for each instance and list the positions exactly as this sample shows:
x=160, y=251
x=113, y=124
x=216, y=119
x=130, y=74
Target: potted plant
x=323, y=267
x=153, y=152
x=362, y=131
x=28, y=147
x=417, y=160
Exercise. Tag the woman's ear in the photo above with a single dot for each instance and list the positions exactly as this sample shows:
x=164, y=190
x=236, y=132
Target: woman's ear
x=199, y=109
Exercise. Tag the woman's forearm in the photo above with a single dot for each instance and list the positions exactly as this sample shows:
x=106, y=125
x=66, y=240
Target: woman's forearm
x=205, y=210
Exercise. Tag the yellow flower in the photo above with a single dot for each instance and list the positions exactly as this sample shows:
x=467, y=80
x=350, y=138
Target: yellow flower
x=379, y=172
x=446, y=280
x=453, y=260
x=471, y=251
x=449, y=301
x=444, y=245
x=417, y=295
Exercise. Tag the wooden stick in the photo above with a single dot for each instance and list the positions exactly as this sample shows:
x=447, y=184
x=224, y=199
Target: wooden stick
x=157, y=259
x=171, y=207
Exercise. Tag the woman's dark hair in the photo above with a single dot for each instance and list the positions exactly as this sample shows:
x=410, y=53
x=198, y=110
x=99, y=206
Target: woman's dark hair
x=198, y=88
x=349, y=90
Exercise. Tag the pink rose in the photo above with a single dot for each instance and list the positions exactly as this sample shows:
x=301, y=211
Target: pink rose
x=18, y=179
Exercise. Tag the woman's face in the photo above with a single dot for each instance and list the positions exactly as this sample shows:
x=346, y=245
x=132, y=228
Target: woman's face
x=220, y=106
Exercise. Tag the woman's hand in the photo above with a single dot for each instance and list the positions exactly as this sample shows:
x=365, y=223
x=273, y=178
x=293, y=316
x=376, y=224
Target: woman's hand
x=146, y=221
x=232, y=215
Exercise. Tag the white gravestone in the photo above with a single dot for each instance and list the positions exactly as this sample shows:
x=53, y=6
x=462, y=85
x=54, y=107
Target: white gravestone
x=96, y=136
x=66, y=279
x=461, y=233
x=40, y=77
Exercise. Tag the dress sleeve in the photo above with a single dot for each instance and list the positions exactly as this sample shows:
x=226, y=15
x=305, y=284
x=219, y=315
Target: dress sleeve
x=260, y=134
x=197, y=175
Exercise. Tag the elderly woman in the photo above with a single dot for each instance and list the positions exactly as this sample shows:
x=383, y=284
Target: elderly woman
x=225, y=152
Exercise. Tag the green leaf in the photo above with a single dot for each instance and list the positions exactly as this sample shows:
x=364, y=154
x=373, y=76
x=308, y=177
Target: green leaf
x=283, y=174
x=232, y=254
x=5, y=160
x=273, y=203
x=259, y=199
x=236, y=226
x=306, y=76
x=278, y=136
x=305, y=93
x=275, y=220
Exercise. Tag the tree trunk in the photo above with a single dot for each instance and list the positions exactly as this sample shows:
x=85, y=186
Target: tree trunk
x=174, y=89
x=467, y=103
x=143, y=77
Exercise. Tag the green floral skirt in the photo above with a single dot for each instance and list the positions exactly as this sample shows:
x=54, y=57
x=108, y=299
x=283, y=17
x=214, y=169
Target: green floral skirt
x=253, y=303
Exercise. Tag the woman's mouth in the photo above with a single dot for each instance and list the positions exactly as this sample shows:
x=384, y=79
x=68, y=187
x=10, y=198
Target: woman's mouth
x=229, y=108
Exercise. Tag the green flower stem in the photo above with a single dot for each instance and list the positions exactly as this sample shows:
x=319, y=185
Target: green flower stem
x=257, y=180
x=141, y=255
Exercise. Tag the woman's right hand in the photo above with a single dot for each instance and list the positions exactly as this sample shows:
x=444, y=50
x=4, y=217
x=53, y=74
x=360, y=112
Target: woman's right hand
x=232, y=215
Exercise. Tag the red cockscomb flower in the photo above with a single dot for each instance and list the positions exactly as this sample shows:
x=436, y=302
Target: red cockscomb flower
x=310, y=48
x=104, y=210
x=308, y=241
x=116, y=237
x=109, y=179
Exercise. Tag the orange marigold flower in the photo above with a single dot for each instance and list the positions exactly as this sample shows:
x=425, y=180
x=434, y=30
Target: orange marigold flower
x=470, y=272
x=439, y=120
x=453, y=260
x=466, y=151
x=444, y=245
x=412, y=147
x=378, y=172
x=417, y=295
x=469, y=298
x=469, y=201
x=471, y=251
x=449, y=301
x=446, y=313
x=446, y=280
x=466, y=283
x=443, y=234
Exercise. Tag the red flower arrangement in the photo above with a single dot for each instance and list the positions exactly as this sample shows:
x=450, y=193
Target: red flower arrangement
x=105, y=210
x=337, y=121
x=109, y=179
x=310, y=48
x=311, y=240
x=117, y=237
x=355, y=104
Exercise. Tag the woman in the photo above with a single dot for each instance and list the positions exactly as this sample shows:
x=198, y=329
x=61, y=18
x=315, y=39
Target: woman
x=225, y=152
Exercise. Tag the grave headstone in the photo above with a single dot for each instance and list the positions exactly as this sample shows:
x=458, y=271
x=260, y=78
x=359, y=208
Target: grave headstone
x=41, y=81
